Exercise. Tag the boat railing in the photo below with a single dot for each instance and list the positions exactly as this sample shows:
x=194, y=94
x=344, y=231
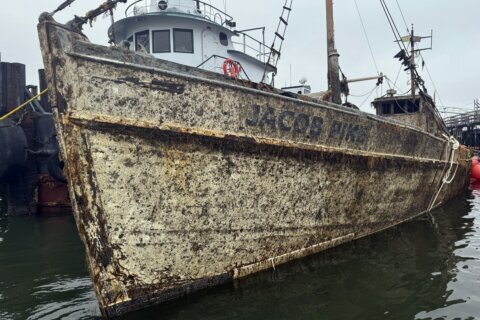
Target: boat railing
x=461, y=120
x=251, y=46
x=200, y=9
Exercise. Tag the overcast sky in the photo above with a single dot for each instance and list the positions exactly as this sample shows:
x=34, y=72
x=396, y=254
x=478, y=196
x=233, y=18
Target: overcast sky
x=453, y=64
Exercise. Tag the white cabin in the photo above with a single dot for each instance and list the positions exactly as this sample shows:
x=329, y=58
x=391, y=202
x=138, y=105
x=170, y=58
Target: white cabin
x=192, y=33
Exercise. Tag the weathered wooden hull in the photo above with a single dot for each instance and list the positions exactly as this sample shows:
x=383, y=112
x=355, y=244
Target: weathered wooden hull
x=181, y=179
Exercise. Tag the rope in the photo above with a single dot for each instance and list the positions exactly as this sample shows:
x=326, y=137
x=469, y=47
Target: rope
x=448, y=178
x=22, y=105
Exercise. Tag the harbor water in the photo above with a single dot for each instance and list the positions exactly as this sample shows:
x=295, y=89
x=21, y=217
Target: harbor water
x=424, y=269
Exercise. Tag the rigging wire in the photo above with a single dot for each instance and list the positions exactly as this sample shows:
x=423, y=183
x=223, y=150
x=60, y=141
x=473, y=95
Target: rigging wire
x=400, y=70
x=413, y=69
x=362, y=95
x=403, y=17
x=369, y=95
x=431, y=79
x=420, y=53
x=400, y=42
x=366, y=36
x=389, y=81
x=398, y=75
x=391, y=21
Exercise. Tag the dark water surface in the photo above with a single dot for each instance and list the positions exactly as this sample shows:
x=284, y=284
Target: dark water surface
x=420, y=270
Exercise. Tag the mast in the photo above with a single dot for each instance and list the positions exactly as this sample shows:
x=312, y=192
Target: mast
x=333, y=69
x=413, y=78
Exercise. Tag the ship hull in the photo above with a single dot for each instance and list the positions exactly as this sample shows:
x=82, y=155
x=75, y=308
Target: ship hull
x=181, y=179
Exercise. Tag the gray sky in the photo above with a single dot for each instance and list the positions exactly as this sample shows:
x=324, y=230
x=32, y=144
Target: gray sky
x=453, y=64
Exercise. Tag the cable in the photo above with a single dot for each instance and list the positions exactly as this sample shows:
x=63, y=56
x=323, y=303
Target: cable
x=395, y=85
x=360, y=96
x=431, y=78
x=398, y=75
x=366, y=36
x=420, y=81
x=369, y=95
x=23, y=105
x=391, y=21
x=403, y=17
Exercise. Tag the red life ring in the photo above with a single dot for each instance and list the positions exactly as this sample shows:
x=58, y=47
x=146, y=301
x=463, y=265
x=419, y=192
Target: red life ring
x=231, y=68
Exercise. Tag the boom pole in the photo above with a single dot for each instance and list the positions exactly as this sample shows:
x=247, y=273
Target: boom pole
x=333, y=68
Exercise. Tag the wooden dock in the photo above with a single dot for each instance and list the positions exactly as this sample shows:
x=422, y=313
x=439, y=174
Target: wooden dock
x=465, y=127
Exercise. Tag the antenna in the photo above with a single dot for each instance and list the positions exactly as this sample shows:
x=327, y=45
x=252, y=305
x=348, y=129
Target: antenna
x=413, y=40
x=416, y=39
x=408, y=59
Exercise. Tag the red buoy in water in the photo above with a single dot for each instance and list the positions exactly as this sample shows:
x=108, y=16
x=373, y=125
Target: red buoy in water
x=475, y=172
x=475, y=161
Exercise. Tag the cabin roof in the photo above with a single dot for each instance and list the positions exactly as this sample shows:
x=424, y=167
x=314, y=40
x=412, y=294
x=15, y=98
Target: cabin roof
x=424, y=96
x=395, y=98
x=120, y=25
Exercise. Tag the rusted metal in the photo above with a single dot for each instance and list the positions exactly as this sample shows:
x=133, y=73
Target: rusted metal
x=52, y=193
x=182, y=179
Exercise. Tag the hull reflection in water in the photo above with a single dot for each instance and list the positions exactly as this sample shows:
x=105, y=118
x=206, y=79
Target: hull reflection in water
x=42, y=270
x=420, y=270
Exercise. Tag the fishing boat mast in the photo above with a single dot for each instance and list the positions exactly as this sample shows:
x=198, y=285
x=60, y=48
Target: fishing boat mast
x=413, y=78
x=333, y=67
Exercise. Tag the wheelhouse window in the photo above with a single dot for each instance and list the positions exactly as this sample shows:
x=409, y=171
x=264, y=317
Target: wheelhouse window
x=399, y=107
x=223, y=39
x=161, y=41
x=183, y=40
x=386, y=108
x=413, y=107
x=142, y=39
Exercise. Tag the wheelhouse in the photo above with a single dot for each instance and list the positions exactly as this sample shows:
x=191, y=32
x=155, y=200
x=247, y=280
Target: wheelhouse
x=192, y=33
x=418, y=112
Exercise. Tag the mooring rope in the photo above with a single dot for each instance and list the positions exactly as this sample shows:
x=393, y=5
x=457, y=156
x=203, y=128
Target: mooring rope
x=448, y=178
x=22, y=105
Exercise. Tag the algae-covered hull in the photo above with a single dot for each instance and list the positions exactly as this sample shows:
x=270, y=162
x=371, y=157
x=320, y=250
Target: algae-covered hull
x=182, y=179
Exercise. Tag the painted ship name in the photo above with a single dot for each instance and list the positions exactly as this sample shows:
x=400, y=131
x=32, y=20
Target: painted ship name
x=304, y=124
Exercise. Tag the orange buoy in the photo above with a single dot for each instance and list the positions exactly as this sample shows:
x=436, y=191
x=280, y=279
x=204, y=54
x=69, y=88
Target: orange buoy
x=475, y=172
x=231, y=68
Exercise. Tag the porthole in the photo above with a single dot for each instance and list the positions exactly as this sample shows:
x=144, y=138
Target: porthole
x=223, y=39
